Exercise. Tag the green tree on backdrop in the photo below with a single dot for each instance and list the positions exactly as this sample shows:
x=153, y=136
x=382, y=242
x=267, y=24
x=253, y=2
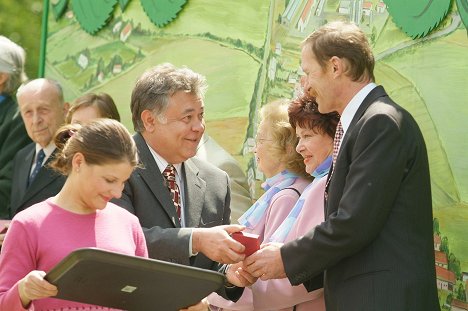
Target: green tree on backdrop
x=20, y=21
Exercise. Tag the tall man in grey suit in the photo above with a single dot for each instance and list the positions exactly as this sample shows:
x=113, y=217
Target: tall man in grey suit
x=376, y=243
x=43, y=111
x=168, y=116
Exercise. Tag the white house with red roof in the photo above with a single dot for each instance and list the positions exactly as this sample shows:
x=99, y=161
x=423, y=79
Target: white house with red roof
x=445, y=279
x=441, y=259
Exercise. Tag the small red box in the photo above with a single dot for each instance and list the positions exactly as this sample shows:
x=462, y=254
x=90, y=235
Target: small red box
x=249, y=240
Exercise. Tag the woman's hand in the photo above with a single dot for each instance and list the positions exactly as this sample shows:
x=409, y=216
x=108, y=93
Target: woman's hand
x=34, y=286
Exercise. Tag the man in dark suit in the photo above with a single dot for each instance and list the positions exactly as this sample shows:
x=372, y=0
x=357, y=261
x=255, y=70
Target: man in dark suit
x=43, y=110
x=375, y=246
x=186, y=218
x=13, y=134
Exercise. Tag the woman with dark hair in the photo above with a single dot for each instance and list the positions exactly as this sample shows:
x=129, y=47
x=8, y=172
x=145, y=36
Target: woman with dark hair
x=97, y=159
x=92, y=106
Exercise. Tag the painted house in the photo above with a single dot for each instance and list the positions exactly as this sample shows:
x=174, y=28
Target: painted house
x=290, y=11
x=367, y=8
x=305, y=16
x=445, y=279
x=380, y=7
x=83, y=61
x=458, y=305
x=345, y=7
x=441, y=259
x=126, y=31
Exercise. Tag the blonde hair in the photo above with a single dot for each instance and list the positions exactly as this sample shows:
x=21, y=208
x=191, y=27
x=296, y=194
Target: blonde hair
x=274, y=116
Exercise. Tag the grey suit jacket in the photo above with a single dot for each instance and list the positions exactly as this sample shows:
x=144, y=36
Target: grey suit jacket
x=376, y=244
x=206, y=204
x=46, y=184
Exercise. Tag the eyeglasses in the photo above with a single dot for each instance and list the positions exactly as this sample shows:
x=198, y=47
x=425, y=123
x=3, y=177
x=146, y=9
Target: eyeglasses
x=260, y=141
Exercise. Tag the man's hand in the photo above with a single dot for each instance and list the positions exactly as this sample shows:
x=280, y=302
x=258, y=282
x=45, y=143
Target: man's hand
x=33, y=286
x=203, y=305
x=266, y=263
x=236, y=275
x=217, y=244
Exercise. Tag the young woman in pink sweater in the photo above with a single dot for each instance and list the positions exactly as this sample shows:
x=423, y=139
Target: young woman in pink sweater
x=97, y=159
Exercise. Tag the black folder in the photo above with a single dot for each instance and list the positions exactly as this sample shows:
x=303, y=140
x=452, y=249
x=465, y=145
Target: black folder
x=104, y=278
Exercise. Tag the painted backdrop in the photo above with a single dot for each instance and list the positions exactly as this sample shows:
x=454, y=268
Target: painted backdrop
x=249, y=52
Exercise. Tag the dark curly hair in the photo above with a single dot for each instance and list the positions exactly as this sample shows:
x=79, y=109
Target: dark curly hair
x=303, y=112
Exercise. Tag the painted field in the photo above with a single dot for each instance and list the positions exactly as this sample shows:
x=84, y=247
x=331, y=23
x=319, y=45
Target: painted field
x=404, y=93
x=452, y=224
x=230, y=82
x=244, y=20
x=438, y=68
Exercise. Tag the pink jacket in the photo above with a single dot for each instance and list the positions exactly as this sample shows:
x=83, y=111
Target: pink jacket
x=279, y=294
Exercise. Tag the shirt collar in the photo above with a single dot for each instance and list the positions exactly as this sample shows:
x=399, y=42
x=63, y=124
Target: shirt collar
x=48, y=150
x=353, y=106
x=162, y=163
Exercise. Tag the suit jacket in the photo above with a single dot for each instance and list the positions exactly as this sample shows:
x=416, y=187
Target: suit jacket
x=206, y=204
x=46, y=184
x=376, y=244
x=13, y=137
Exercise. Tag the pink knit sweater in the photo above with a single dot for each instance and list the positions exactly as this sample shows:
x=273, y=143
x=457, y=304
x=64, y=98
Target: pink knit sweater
x=40, y=236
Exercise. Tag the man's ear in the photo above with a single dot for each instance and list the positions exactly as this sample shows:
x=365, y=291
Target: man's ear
x=337, y=66
x=66, y=107
x=149, y=120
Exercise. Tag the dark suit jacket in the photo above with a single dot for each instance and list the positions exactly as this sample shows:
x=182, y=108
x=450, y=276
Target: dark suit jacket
x=13, y=137
x=46, y=184
x=206, y=204
x=376, y=244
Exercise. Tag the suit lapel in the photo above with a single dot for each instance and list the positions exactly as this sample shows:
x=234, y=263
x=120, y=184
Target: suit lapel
x=43, y=179
x=372, y=97
x=151, y=175
x=195, y=188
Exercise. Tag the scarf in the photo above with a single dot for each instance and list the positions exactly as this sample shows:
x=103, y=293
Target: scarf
x=252, y=217
x=283, y=230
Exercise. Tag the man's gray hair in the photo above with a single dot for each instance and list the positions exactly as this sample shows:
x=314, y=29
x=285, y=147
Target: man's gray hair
x=40, y=81
x=12, y=58
x=156, y=85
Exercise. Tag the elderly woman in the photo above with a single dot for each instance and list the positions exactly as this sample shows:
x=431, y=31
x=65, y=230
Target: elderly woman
x=286, y=178
x=315, y=132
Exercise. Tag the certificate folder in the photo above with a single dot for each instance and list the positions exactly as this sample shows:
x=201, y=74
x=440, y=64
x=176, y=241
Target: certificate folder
x=99, y=277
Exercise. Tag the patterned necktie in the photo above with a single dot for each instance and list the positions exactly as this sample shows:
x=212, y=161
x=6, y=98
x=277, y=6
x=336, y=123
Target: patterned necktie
x=169, y=175
x=37, y=168
x=336, y=142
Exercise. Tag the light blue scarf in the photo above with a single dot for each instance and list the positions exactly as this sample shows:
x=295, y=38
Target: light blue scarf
x=252, y=217
x=283, y=230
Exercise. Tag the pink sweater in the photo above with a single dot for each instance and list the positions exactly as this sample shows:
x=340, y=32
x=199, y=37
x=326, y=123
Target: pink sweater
x=40, y=236
x=279, y=294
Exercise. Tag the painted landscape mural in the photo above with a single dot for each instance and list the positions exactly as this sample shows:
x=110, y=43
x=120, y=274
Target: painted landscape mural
x=249, y=52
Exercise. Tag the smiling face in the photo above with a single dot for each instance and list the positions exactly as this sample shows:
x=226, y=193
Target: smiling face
x=41, y=111
x=100, y=183
x=176, y=140
x=313, y=147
